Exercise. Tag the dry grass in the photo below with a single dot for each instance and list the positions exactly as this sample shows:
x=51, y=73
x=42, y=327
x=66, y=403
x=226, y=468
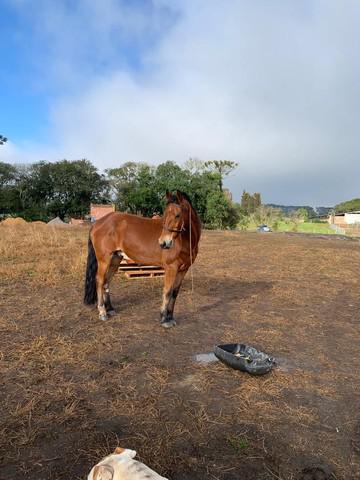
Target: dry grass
x=42, y=253
x=74, y=388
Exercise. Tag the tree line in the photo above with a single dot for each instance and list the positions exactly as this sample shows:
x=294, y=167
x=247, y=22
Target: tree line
x=348, y=206
x=44, y=190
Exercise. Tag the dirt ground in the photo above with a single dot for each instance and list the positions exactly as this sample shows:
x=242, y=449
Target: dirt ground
x=73, y=388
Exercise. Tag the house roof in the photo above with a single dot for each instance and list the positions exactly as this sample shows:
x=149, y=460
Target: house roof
x=341, y=214
x=102, y=205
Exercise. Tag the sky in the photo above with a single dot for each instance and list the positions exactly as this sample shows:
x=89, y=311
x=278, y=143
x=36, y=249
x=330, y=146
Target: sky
x=272, y=85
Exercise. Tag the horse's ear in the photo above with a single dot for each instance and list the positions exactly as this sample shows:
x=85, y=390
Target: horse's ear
x=168, y=196
x=179, y=196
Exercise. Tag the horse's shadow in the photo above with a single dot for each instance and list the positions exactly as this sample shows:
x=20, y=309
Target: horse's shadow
x=227, y=291
x=209, y=292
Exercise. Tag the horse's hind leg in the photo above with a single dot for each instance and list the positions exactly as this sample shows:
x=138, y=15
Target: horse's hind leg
x=114, y=265
x=102, y=270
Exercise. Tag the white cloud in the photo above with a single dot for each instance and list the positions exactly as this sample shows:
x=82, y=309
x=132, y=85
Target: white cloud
x=272, y=85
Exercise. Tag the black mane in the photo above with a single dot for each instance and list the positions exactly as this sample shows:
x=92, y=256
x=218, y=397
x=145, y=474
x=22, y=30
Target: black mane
x=186, y=196
x=174, y=199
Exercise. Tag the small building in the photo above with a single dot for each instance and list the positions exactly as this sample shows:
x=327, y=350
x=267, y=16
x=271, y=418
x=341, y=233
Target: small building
x=77, y=221
x=352, y=218
x=337, y=219
x=100, y=210
x=344, y=219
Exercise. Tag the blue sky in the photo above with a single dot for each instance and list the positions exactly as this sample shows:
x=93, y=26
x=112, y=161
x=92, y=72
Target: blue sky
x=271, y=85
x=28, y=88
x=23, y=111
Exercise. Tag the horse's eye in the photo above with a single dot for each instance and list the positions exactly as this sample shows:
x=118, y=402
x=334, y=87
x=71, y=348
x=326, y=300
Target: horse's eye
x=177, y=216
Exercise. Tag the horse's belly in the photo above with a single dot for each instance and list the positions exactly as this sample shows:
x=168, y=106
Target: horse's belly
x=145, y=253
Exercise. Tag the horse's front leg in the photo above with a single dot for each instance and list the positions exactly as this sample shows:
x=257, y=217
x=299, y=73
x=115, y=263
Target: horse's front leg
x=172, y=283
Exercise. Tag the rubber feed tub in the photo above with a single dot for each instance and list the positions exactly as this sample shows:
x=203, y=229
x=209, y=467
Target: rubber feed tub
x=245, y=358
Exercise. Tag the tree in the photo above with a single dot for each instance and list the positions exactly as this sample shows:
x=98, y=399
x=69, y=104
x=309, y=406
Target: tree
x=62, y=188
x=222, y=168
x=143, y=197
x=349, y=206
x=140, y=188
x=123, y=175
x=195, y=165
x=170, y=176
x=244, y=220
x=266, y=215
x=201, y=186
x=303, y=213
x=125, y=182
x=8, y=174
x=245, y=202
x=220, y=212
x=249, y=203
x=257, y=200
x=296, y=217
x=9, y=193
x=2, y=139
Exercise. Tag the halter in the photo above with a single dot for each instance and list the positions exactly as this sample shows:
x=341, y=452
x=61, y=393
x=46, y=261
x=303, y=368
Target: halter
x=175, y=230
x=181, y=230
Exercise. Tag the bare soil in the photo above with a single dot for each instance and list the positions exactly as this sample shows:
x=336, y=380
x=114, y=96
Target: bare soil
x=73, y=388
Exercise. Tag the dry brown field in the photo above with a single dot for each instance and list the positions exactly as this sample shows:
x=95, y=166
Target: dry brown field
x=73, y=388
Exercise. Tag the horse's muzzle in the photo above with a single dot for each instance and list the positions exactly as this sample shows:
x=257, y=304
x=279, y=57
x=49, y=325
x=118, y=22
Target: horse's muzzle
x=166, y=244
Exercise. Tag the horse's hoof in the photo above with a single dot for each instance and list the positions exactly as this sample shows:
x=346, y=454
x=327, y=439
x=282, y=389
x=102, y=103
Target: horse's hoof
x=111, y=312
x=103, y=318
x=168, y=324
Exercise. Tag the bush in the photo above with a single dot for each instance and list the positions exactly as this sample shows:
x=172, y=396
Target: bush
x=266, y=215
x=220, y=212
x=244, y=222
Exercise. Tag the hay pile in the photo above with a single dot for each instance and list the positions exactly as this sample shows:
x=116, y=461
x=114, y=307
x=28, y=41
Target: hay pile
x=14, y=221
x=56, y=221
x=38, y=222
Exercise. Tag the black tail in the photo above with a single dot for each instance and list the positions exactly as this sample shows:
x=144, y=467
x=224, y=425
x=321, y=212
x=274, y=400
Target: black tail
x=90, y=295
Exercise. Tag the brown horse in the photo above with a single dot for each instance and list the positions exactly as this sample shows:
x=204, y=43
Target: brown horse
x=170, y=242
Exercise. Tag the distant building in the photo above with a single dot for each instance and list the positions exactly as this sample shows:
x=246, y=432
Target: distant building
x=77, y=221
x=344, y=219
x=97, y=211
x=352, y=218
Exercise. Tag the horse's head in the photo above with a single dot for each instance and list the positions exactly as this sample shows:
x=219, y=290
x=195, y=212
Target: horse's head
x=174, y=219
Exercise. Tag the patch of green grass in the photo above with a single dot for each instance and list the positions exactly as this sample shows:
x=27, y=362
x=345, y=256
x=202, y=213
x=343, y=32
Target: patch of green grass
x=31, y=273
x=239, y=444
x=305, y=227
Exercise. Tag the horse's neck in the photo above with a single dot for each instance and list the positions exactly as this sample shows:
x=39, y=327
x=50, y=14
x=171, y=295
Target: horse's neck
x=192, y=225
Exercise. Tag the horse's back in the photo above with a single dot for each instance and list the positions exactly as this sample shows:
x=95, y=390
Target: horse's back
x=135, y=236
x=116, y=220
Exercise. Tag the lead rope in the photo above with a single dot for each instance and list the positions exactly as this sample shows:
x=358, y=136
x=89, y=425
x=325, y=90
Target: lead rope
x=191, y=260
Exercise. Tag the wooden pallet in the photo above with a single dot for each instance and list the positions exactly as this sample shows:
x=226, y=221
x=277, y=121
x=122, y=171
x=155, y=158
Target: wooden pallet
x=136, y=270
